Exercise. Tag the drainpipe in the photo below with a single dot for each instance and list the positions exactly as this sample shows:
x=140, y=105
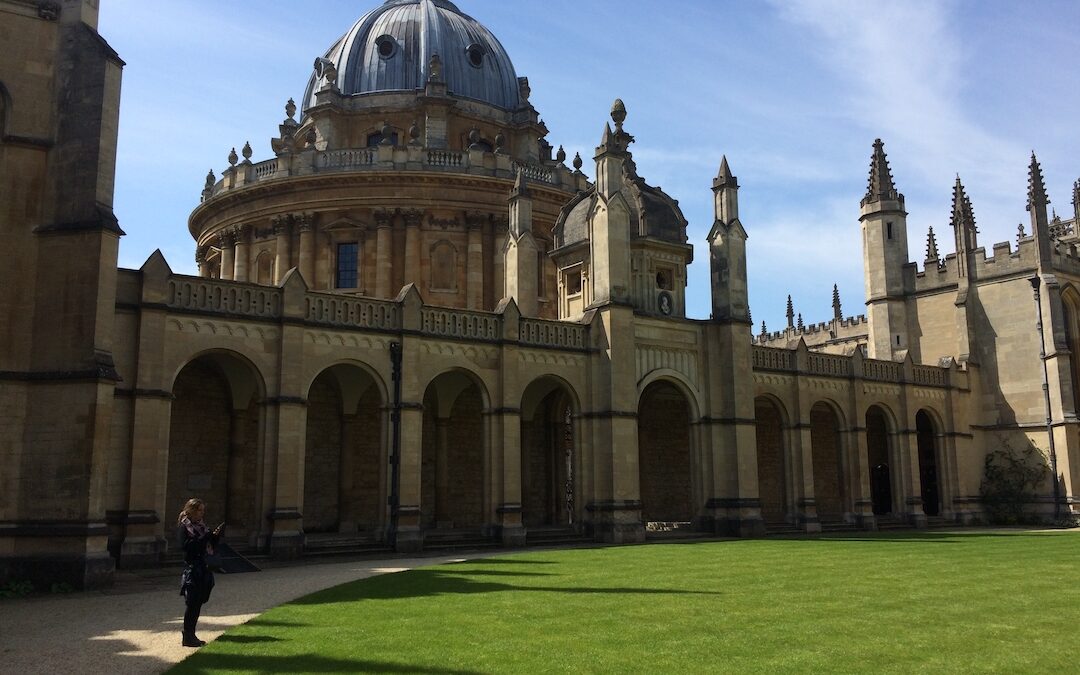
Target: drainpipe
x=1035, y=280
x=395, y=442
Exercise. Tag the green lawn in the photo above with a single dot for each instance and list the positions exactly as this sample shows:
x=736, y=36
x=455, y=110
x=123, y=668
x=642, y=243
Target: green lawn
x=907, y=602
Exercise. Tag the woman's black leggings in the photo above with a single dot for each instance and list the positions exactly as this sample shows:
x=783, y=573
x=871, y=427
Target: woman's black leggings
x=191, y=616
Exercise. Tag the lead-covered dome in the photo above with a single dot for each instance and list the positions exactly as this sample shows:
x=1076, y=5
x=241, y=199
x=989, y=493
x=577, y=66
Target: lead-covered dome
x=390, y=49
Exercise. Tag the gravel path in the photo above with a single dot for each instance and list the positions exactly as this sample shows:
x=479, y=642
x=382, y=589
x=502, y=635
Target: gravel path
x=134, y=627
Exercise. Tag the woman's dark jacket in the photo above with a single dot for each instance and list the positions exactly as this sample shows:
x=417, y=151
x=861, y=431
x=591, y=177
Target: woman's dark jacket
x=197, y=580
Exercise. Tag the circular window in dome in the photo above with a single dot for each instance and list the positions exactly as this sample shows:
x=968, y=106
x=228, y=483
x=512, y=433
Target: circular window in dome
x=476, y=55
x=386, y=46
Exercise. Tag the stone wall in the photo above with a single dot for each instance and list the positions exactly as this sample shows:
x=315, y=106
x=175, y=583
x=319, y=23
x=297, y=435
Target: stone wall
x=322, y=460
x=825, y=441
x=770, y=461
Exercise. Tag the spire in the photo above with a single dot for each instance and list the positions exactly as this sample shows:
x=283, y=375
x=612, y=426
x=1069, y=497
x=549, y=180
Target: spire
x=880, y=186
x=963, y=219
x=931, y=247
x=608, y=137
x=521, y=186
x=837, y=314
x=1036, y=188
x=790, y=313
x=800, y=325
x=763, y=331
x=724, y=177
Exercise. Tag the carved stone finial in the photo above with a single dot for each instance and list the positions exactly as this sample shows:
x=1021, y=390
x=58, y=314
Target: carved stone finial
x=387, y=133
x=836, y=311
x=210, y=180
x=1020, y=233
x=414, y=134
x=931, y=246
x=560, y=156
x=618, y=113
x=800, y=324
x=435, y=68
x=247, y=151
x=523, y=89
x=763, y=331
x=577, y=161
x=290, y=109
x=1036, y=188
x=790, y=313
x=233, y=159
x=500, y=143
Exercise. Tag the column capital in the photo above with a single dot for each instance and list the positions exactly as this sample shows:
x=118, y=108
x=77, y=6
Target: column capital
x=412, y=217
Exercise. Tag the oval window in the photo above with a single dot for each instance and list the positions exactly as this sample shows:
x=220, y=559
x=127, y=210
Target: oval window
x=476, y=55
x=386, y=46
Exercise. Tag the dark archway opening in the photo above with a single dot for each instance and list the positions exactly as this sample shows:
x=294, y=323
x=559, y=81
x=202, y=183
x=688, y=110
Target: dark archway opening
x=770, y=460
x=664, y=455
x=928, y=471
x=828, y=469
x=877, y=447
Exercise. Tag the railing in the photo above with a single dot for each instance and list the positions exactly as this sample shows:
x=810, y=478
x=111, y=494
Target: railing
x=829, y=364
x=447, y=158
x=882, y=371
x=336, y=310
x=771, y=358
x=534, y=172
x=931, y=376
x=266, y=169
x=459, y=324
x=344, y=159
x=214, y=297
x=552, y=333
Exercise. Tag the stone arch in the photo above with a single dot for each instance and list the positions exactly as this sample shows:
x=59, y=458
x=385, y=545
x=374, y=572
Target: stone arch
x=928, y=443
x=666, y=452
x=832, y=494
x=679, y=381
x=886, y=491
x=264, y=268
x=344, y=457
x=215, y=444
x=443, y=256
x=455, y=453
x=771, y=425
x=1070, y=302
x=549, y=457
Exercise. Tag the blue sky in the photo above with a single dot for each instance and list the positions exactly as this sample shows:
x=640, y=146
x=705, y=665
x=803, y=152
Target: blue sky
x=794, y=93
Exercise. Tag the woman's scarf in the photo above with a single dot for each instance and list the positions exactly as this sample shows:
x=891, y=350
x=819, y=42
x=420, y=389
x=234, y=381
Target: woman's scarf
x=194, y=530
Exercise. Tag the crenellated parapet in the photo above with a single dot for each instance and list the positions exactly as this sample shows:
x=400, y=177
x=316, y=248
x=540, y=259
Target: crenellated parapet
x=837, y=334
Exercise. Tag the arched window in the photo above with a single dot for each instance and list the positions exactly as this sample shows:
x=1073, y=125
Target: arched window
x=264, y=269
x=443, y=267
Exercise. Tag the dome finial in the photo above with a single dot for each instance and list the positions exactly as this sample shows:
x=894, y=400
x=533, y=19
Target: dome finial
x=618, y=114
x=577, y=162
x=233, y=159
x=290, y=109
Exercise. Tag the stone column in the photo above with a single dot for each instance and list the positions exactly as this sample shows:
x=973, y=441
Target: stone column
x=474, y=279
x=307, y=249
x=282, y=254
x=412, y=245
x=200, y=262
x=442, y=473
x=240, y=259
x=409, y=537
x=384, y=257
x=863, y=505
x=226, y=241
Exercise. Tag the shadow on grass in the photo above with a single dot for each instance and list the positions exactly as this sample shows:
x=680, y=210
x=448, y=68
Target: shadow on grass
x=211, y=662
x=904, y=536
x=244, y=639
x=430, y=582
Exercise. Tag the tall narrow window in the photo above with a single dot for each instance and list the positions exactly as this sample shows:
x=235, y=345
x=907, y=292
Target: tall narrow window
x=346, y=265
x=888, y=230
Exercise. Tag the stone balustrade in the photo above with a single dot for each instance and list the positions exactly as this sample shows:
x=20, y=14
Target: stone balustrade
x=848, y=367
x=209, y=296
x=391, y=158
x=327, y=309
x=553, y=334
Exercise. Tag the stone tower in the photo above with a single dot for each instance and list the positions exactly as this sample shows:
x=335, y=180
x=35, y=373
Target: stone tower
x=727, y=250
x=885, y=253
x=520, y=250
x=61, y=82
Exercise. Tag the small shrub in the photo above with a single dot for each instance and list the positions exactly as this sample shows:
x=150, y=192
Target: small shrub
x=1010, y=482
x=16, y=589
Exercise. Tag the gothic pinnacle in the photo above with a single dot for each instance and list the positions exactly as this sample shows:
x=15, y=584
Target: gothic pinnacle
x=790, y=313
x=1036, y=187
x=880, y=185
x=931, y=246
x=800, y=325
x=837, y=313
x=724, y=177
x=521, y=185
x=963, y=217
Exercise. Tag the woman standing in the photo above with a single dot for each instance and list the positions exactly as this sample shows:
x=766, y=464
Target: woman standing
x=197, y=581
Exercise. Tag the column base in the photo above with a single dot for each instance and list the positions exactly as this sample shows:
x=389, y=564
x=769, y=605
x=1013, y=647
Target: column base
x=865, y=521
x=916, y=520
x=138, y=552
x=287, y=537
x=45, y=553
x=616, y=521
x=736, y=517
x=510, y=528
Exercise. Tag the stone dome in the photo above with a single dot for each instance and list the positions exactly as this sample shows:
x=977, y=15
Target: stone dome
x=390, y=48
